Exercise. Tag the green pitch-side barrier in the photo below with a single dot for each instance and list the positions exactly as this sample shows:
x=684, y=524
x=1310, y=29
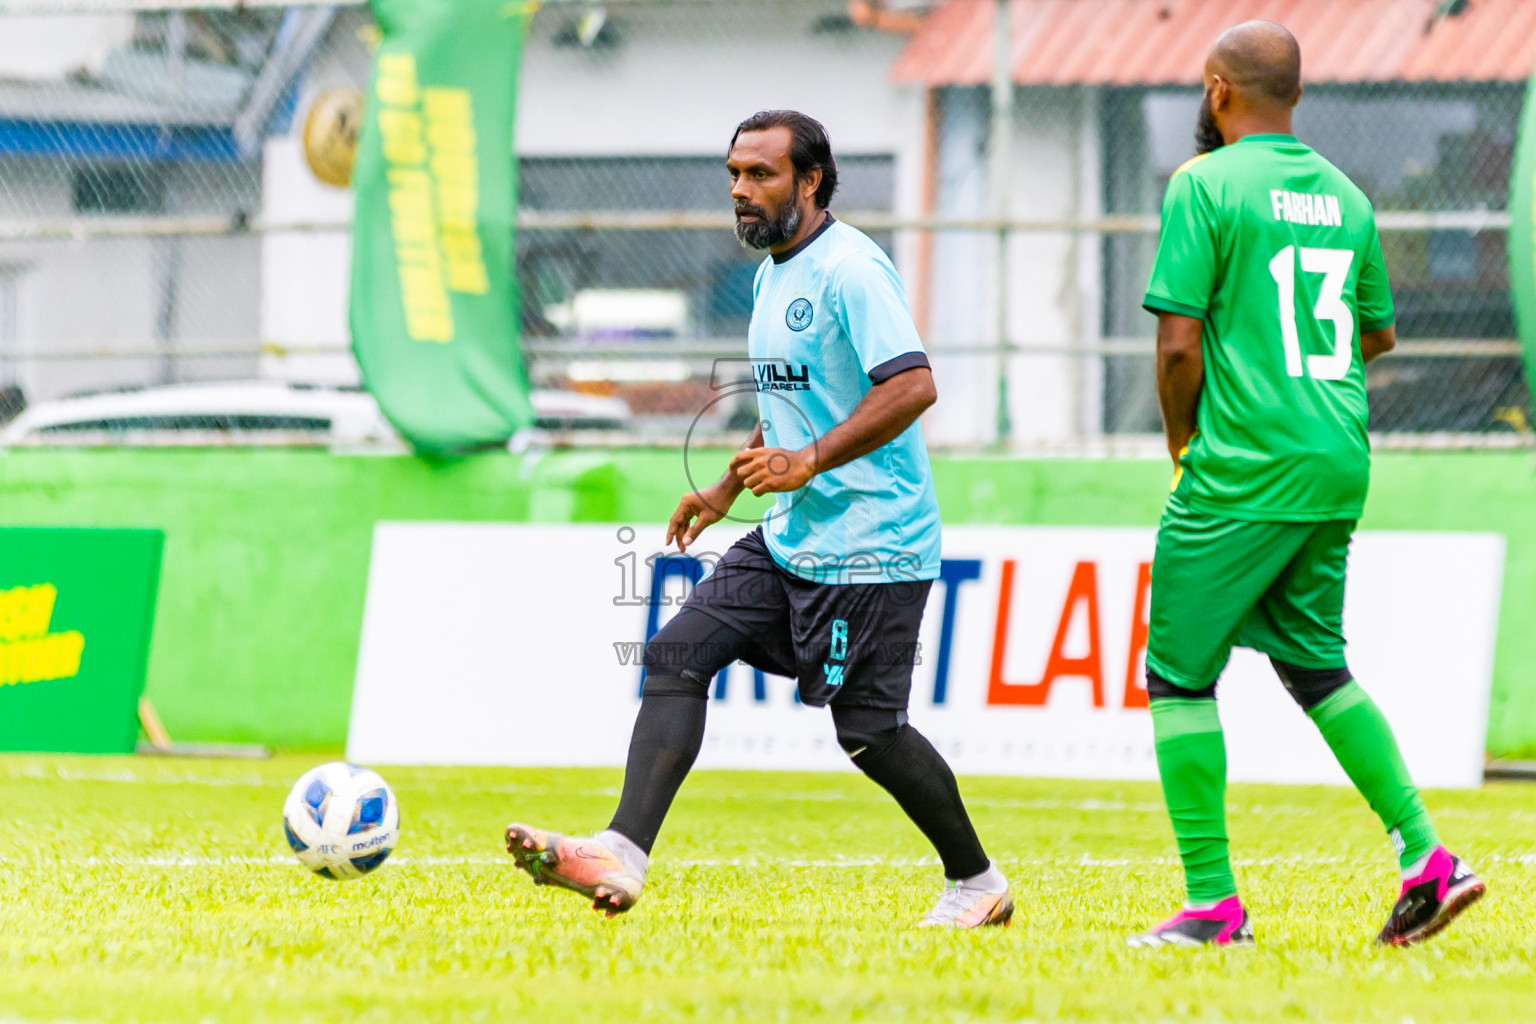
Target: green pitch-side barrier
x=76, y=608
x=266, y=552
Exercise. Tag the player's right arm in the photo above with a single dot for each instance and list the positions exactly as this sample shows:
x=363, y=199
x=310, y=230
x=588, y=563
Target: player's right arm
x=699, y=509
x=1180, y=376
x=1183, y=278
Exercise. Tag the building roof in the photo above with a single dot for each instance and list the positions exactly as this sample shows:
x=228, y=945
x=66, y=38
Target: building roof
x=71, y=102
x=1157, y=42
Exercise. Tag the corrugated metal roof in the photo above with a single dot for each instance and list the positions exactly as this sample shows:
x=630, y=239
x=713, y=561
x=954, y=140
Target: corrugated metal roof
x=1154, y=42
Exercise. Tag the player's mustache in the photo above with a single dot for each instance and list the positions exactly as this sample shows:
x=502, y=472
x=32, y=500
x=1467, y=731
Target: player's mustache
x=751, y=210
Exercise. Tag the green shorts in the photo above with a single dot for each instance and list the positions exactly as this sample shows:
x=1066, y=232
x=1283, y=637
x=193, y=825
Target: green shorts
x=1218, y=583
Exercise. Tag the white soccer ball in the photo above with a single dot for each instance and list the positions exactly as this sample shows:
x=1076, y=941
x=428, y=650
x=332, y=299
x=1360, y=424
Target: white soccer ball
x=342, y=820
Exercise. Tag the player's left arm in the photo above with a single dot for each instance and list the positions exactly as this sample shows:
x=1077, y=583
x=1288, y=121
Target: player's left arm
x=890, y=407
x=871, y=307
x=1377, y=343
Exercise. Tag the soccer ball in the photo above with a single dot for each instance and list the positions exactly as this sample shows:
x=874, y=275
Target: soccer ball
x=330, y=135
x=342, y=820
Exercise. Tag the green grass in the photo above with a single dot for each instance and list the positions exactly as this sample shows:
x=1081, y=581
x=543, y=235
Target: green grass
x=159, y=891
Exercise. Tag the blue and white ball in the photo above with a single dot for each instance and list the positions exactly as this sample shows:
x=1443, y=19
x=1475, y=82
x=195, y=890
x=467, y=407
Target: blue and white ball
x=342, y=820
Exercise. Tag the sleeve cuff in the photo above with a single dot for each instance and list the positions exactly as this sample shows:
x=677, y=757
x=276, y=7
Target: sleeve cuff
x=1158, y=304
x=1378, y=325
x=891, y=367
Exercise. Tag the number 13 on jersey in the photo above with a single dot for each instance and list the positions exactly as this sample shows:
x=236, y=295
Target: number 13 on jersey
x=1334, y=265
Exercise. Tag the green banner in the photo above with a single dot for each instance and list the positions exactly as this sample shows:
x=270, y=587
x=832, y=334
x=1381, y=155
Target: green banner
x=1522, y=232
x=76, y=608
x=434, y=293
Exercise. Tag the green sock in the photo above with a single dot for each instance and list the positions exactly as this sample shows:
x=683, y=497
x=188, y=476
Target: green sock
x=1362, y=740
x=1192, y=760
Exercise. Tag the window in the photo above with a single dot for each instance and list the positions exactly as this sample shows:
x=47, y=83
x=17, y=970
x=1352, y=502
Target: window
x=118, y=189
x=199, y=421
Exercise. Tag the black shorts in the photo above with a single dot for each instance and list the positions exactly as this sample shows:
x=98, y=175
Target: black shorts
x=852, y=644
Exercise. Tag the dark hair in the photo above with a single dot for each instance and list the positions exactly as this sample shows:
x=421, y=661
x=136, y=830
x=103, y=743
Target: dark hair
x=810, y=148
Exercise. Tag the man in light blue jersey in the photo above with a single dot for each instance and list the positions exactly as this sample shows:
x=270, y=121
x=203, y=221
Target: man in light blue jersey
x=830, y=590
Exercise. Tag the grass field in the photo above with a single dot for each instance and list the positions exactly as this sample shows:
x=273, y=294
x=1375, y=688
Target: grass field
x=160, y=891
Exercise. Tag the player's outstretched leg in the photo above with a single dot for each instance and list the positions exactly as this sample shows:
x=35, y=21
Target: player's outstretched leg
x=1436, y=885
x=902, y=761
x=610, y=868
x=1192, y=760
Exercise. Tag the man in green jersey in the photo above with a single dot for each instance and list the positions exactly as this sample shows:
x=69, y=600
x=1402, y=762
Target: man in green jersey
x=1271, y=295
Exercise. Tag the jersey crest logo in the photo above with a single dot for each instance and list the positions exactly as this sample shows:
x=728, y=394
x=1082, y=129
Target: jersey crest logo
x=799, y=315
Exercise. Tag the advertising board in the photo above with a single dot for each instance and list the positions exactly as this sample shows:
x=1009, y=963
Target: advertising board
x=521, y=644
x=76, y=608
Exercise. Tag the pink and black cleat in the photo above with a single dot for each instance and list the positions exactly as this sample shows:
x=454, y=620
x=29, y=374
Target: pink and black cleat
x=582, y=865
x=1431, y=899
x=1225, y=924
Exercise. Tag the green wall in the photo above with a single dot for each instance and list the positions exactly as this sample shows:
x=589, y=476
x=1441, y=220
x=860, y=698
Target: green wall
x=266, y=552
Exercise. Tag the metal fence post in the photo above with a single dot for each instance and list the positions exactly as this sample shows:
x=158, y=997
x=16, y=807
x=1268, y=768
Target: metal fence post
x=1000, y=152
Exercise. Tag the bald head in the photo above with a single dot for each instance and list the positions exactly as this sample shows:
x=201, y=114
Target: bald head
x=1261, y=60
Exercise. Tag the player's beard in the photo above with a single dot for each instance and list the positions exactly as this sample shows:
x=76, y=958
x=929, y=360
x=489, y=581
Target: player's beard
x=1207, y=136
x=766, y=231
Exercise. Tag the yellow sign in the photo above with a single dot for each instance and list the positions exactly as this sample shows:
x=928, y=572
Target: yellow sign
x=28, y=652
x=430, y=150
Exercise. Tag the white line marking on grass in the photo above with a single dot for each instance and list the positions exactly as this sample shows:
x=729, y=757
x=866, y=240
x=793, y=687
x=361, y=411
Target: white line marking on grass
x=1111, y=806
x=235, y=860
x=1088, y=805
x=181, y=862
x=959, y=1020
x=803, y=862
x=1085, y=860
x=1525, y=860
x=607, y=792
x=33, y=771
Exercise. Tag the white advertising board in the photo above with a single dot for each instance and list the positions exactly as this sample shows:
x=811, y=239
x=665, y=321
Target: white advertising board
x=515, y=644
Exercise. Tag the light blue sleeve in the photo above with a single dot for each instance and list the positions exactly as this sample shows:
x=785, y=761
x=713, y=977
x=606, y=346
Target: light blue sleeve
x=872, y=311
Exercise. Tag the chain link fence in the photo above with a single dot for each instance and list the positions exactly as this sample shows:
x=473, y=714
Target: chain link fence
x=158, y=224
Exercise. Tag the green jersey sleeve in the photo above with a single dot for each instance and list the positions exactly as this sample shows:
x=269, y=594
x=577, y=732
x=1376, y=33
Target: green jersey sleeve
x=1373, y=296
x=1184, y=274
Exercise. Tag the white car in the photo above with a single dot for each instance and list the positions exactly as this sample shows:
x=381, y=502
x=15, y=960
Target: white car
x=259, y=413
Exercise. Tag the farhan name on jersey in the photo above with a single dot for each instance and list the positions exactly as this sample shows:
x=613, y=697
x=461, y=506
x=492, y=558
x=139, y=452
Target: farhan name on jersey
x=1306, y=208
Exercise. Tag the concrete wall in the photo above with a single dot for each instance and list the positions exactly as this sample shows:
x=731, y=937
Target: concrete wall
x=107, y=295
x=1054, y=279
x=306, y=274
x=47, y=47
x=679, y=78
